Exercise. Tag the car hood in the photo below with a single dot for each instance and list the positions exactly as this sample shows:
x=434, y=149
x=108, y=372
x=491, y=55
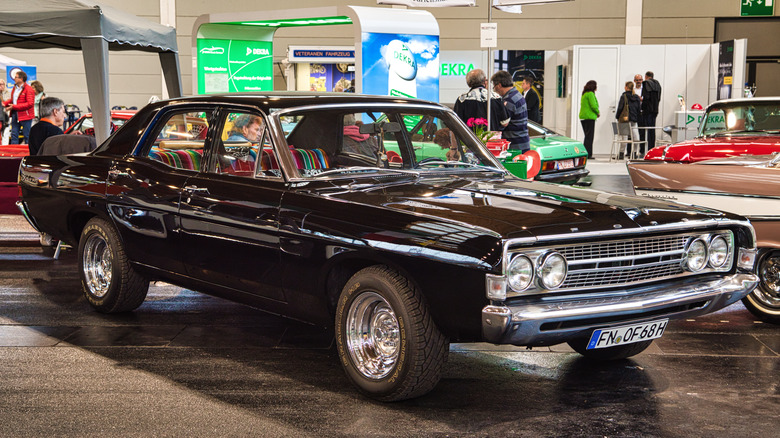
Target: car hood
x=515, y=208
x=722, y=146
x=557, y=147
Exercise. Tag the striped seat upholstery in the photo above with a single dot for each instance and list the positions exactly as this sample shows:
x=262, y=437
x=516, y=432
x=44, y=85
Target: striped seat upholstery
x=179, y=158
x=310, y=159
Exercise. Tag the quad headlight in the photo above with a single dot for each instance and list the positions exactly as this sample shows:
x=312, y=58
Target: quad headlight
x=520, y=273
x=548, y=269
x=696, y=256
x=552, y=270
x=719, y=251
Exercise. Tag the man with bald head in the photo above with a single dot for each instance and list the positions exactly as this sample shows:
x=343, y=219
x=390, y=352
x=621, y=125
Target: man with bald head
x=473, y=103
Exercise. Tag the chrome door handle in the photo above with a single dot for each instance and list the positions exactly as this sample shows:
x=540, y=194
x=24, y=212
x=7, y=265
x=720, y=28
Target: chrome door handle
x=115, y=173
x=195, y=189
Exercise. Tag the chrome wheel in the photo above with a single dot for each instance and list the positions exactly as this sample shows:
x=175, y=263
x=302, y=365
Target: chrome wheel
x=97, y=265
x=768, y=291
x=373, y=335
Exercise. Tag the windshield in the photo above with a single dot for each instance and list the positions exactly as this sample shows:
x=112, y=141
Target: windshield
x=751, y=117
x=399, y=140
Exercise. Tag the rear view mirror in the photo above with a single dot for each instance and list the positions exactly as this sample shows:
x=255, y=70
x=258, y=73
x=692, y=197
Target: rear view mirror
x=376, y=128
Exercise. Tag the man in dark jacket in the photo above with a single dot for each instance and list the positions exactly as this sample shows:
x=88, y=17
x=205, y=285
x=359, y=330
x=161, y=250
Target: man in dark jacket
x=532, y=102
x=473, y=103
x=52, y=115
x=651, y=97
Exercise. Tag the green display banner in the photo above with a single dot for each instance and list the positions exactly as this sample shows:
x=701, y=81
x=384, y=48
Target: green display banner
x=756, y=8
x=226, y=66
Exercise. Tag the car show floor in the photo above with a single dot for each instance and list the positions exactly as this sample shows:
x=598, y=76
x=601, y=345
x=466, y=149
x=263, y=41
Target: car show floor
x=186, y=364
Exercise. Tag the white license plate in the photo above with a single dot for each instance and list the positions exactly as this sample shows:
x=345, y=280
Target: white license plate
x=603, y=338
x=564, y=164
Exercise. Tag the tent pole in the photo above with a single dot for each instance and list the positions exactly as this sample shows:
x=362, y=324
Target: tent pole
x=169, y=61
x=95, y=52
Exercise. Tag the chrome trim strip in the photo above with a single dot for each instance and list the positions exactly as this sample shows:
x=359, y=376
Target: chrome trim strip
x=700, y=192
x=23, y=208
x=677, y=226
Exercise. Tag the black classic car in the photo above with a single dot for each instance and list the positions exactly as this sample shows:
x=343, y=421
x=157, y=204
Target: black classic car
x=299, y=205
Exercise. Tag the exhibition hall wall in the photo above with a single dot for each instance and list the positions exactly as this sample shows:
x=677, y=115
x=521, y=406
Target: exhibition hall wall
x=135, y=76
x=690, y=71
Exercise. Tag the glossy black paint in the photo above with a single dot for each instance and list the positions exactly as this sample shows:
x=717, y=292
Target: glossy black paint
x=288, y=246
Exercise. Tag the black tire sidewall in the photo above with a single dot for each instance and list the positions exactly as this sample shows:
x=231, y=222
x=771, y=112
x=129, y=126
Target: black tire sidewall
x=370, y=282
x=99, y=226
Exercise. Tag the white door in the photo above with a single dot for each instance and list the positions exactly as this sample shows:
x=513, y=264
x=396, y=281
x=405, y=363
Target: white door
x=599, y=64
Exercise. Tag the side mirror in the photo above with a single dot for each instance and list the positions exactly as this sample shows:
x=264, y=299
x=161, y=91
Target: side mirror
x=668, y=129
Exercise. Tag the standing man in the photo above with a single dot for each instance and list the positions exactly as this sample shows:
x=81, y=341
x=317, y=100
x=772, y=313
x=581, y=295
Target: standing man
x=532, y=102
x=52, y=111
x=516, y=126
x=473, y=103
x=638, y=92
x=651, y=97
x=22, y=108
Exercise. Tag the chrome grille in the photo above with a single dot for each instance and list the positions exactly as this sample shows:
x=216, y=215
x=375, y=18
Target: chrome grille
x=624, y=248
x=623, y=262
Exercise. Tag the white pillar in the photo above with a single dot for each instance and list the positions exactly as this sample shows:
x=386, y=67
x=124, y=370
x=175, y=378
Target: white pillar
x=633, y=21
x=168, y=18
x=95, y=53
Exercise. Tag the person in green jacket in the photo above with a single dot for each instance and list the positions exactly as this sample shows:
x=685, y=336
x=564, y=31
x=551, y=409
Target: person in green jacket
x=589, y=112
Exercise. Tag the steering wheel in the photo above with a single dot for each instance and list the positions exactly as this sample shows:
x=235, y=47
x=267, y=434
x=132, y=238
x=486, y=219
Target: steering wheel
x=428, y=160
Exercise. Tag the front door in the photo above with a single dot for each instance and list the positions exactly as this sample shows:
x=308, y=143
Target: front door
x=230, y=213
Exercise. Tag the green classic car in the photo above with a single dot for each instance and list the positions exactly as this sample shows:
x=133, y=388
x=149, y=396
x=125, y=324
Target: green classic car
x=560, y=159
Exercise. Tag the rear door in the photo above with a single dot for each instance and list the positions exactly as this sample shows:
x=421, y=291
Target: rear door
x=230, y=212
x=143, y=190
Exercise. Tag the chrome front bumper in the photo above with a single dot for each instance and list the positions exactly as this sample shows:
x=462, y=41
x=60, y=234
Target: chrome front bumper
x=552, y=320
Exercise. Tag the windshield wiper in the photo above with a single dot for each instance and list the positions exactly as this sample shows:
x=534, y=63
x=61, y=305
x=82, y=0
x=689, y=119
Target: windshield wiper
x=743, y=131
x=356, y=169
x=462, y=164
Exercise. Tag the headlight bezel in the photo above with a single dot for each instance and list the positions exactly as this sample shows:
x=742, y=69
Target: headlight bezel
x=716, y=238
x=543, y=262
x=699, y=241
x=520, y=287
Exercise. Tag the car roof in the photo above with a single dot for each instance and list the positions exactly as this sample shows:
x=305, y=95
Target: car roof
x=745, y=100
x=291, y=99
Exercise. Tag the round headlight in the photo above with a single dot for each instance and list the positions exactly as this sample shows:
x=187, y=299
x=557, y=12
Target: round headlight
x=520, y=273
x=696, y=258
x=552, y=271
x=719, y=251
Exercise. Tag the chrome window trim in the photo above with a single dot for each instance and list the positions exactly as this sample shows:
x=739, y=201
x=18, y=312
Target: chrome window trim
x=296, y=177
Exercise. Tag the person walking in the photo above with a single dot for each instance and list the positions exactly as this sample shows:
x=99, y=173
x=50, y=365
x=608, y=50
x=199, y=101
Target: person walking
x=516, y=126
x=473, y=103
x=627, y=115
x=589, y=112
x=651, y=97
x=21, y=106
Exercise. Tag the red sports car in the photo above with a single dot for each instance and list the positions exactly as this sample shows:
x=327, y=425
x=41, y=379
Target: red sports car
x=84, y=123
x=730, y=128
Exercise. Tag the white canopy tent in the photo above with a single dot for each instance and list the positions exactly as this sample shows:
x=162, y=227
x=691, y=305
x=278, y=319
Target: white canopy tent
x=94, y=29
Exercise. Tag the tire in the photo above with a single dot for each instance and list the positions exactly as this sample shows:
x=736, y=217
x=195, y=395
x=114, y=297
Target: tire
x=110, y=284
x=609, y=353
x=764, y=301
x=387, y=342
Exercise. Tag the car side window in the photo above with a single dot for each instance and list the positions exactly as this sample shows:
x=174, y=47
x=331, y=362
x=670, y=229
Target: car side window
x=179, y=140
x=244, y=147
